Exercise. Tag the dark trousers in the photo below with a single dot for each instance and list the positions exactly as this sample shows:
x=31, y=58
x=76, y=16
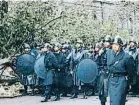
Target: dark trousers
x=25, y=88
x=75, y=90
x=102, y=97
x=48, y=90
x=103, y=87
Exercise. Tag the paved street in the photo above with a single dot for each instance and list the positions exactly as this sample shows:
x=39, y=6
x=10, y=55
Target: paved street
x=35, y=100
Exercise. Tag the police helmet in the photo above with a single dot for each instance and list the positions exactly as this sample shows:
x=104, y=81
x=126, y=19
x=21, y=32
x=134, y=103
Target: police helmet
x=117, y=40
x=108, y=38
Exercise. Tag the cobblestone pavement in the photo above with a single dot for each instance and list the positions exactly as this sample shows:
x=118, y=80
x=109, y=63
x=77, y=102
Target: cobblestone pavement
x=35, y=100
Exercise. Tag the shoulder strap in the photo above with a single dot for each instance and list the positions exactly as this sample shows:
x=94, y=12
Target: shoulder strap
x=116, y=61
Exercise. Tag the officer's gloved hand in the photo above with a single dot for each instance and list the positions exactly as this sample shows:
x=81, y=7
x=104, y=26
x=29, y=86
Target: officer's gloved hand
x=101, y=51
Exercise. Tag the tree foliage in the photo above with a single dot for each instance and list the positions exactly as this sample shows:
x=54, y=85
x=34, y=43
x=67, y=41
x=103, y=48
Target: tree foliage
x=36, y=21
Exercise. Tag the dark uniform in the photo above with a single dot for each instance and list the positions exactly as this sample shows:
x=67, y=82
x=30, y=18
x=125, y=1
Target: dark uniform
x=59, y=73
x=97, y=58
x=119, y=65
x=134, y=52
x=103, y=77
x=67, y=81
x=51, y=64
x=28, y=80
x=103, y=74
x=74, y=58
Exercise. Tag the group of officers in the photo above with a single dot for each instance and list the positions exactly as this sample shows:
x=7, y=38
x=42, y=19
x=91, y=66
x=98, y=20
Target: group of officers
x=118, y=66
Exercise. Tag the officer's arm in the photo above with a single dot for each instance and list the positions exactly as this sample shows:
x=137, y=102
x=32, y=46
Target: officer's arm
x=103, y=61
x=47, y=62
x=68, y=58
x=54, y=61
x=63, y=63
x=130, y=67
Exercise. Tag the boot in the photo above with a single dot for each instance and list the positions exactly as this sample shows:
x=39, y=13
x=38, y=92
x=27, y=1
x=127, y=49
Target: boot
x=49, y=97
x=84, y=95
x=74, y=96
x=102, y=103
x=25, y=91
x=64, y=95
x=75, y=93
x=57, y=97
x=45, y=99
x=33, y=91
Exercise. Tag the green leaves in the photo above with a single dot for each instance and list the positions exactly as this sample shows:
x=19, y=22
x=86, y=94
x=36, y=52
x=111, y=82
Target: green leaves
x=36, y=21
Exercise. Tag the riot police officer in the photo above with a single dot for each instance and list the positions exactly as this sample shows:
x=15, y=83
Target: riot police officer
x=51, y=64
x=59, y=73
x=67, y=81
x=40, y=79
x=24, y=77
x=120, y=65
x=134, y=52
x=73, y=59
x=28, y=80
x=103, y=75
x=96, y=56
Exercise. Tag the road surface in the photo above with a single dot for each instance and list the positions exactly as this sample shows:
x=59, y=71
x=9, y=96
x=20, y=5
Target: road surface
x=35, y=100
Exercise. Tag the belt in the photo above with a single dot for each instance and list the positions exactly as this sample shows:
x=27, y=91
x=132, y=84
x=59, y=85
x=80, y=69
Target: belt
x=118, y=74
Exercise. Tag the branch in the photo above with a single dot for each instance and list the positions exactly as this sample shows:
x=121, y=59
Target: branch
x=53, y=20
x=50, y=21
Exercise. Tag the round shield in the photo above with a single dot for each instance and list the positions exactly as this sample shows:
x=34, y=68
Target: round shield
x=25, y=64
x=39, y=67
x=87, y=71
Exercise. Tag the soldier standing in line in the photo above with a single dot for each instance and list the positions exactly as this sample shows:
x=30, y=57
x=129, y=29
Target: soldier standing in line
x=51, y=64
x=28, y=80
x=67, y=81
x=103, y=75
x=134, y=52
x=120, y=66
x=59, y=73
x=73, y=59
